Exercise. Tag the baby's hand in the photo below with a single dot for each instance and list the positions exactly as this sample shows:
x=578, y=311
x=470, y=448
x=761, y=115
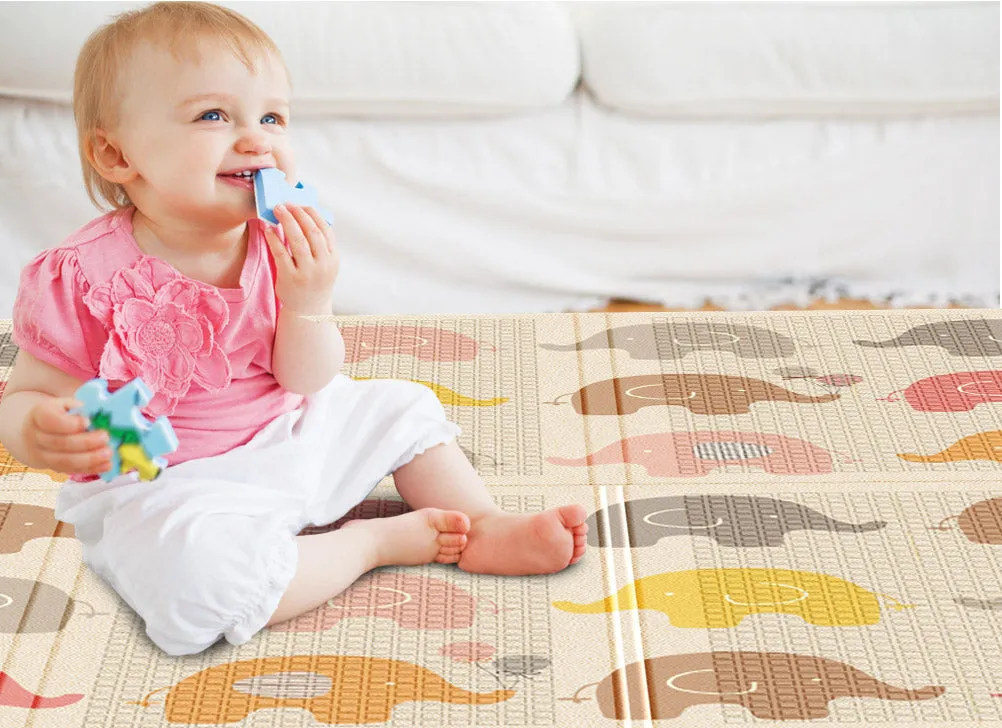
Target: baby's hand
x=57, y=440
x=307, y=270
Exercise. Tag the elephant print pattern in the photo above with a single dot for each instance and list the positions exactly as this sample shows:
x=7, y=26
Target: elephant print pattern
x=772, y=537
x=677, y=339
x=762, y=682
x=701, y=394
x=735, y=521
x=721, y=598
x=971, y=337
x=684, y=454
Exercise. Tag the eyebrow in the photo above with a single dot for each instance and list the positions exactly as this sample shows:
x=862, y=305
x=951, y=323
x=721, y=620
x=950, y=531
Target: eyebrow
x=202, y=98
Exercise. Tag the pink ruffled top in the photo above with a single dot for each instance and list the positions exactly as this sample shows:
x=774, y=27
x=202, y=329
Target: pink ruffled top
x=97, y=306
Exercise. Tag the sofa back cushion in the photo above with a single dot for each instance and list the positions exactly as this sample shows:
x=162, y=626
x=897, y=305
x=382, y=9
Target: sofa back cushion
x=692, y=59
x=346, y=58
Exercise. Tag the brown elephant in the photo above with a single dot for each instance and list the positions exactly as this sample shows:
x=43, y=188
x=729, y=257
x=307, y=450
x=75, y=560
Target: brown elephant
x=980, y=522
x=22, y=522
x=771, y=685
x=701, y=394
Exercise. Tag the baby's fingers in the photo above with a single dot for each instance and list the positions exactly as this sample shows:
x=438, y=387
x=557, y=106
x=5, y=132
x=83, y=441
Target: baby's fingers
x=52, y=417
x=75, y=443
x=90, y=462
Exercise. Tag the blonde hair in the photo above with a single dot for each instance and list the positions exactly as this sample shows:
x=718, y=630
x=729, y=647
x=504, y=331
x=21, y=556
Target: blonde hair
x=176, y=26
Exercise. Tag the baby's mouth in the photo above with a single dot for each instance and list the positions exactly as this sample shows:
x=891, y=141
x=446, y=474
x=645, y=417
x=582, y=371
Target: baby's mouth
x=238, y=179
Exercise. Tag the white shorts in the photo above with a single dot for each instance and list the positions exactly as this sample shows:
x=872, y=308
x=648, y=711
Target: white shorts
x=208, y=548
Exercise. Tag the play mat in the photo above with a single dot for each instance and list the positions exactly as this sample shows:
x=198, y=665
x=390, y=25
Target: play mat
x=796, y=519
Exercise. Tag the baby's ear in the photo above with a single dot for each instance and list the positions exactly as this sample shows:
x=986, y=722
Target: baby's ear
x=108, y=159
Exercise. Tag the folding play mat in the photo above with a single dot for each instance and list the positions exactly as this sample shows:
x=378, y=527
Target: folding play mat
x=796, y=519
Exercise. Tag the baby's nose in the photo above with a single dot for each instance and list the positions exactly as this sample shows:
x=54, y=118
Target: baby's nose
x=253, y=142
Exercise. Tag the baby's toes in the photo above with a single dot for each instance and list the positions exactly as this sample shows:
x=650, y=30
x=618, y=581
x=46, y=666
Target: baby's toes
x=573, y=516
x=452, y=540
x=448, y=556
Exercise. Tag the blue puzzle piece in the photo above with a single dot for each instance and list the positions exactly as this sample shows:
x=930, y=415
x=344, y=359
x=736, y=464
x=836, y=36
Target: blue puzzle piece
x=270, y=189
x=123, y=410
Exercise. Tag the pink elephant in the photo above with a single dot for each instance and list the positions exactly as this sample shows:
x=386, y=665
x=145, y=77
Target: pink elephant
x=426, y=343
x=680, y=454
x=957, y=392
x=413, y=601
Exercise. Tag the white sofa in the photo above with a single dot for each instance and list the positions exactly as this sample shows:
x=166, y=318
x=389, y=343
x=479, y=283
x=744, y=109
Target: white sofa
x=514, y=157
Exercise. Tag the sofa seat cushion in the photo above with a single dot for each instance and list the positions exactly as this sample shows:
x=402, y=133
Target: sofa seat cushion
x=791, y=59
x=350, y=58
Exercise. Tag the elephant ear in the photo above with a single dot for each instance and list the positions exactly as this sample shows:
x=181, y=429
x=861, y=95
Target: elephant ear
x=286, y=685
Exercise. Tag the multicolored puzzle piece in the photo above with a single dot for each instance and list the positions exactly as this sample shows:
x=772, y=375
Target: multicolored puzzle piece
x=135, y=443
x=270, y=189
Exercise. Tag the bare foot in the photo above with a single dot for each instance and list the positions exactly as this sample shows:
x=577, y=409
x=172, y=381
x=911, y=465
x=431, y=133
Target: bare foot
x=515, y=544
x=418, y=537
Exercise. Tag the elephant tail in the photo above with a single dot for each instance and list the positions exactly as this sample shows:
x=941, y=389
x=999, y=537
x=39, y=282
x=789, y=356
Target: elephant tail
x=927, y=693
x=145, y=702
x=890, y=397
x=90, y=606
x=897, y=606
x=941, y=526
x=576, y=698
x=847, y=458
x=557, y=400
x=807, y=399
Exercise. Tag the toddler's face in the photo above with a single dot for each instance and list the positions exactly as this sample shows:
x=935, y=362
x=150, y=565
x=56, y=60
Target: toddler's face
x=189, y=129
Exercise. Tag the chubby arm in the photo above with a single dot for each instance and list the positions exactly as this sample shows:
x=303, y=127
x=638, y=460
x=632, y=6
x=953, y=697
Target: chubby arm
x=307, y=354
x=35, y=426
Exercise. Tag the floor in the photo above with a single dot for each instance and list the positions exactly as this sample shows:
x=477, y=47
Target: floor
x=843, y=303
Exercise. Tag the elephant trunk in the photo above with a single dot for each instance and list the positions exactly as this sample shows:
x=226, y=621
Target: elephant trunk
x=561, y=347
x=873, y=344
x=844, y=527
x=625, y=598
x=892, y=693
x=608, y=455
x=458, y=696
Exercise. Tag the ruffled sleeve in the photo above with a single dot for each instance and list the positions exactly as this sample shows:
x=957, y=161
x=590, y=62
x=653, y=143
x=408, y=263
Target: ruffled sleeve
x=51, y=321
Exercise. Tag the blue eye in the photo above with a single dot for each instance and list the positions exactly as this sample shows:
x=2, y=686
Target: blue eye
x=211, y=116
x=266, y=117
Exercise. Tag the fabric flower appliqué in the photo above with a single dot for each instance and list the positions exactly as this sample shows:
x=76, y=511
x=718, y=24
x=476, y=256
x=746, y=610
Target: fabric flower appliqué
x=164, y=328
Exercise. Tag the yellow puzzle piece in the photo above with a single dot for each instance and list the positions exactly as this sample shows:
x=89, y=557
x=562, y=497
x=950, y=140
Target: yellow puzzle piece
x=133, y=457
x=723, y=597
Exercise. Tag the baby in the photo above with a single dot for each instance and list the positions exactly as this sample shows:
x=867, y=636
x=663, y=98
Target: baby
x=176, y=105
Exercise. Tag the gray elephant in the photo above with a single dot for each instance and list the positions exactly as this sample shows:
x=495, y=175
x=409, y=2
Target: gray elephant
x=965, y=337
x=676, y=339
x=739, y=521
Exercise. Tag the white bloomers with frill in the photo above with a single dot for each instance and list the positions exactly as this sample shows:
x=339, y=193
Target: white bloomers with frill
x=208, y=549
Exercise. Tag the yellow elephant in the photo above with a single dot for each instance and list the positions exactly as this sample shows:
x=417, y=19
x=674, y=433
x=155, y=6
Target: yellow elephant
x=721, y=598
x=451, y=397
